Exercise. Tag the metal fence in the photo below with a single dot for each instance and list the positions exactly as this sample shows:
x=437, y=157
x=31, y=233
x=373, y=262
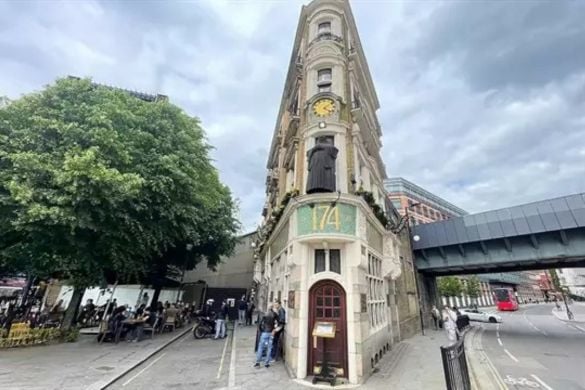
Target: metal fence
x=455, y=366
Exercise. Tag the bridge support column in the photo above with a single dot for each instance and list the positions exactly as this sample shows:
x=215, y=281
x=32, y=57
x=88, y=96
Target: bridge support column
x=428, y=297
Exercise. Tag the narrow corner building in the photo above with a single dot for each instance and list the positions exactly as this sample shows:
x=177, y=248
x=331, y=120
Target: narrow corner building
x=331, y=247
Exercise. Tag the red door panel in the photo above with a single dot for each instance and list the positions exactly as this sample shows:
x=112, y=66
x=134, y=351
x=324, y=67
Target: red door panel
x=327, y=303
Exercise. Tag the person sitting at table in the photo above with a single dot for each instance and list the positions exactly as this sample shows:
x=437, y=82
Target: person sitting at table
x=141, y=319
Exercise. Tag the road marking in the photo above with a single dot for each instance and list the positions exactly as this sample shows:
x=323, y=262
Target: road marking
x=511, y=356
x=222, y=357
x=500, y=342
x=534, y=326
x=578, y=327
x=144, y=369
x=547, y=387
x=232, y=374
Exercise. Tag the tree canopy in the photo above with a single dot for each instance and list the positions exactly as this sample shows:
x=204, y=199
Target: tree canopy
x=96, y=181
x=472, y=286
x=449, y=286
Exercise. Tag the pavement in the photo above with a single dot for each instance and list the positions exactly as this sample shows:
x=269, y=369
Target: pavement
x=578, y=315
x=228, y=364
x=532, y=348
x=84, y=364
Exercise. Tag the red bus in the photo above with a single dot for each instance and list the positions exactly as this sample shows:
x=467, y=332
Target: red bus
x=505, y=299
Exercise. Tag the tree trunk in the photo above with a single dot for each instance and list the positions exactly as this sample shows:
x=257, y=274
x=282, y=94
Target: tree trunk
x=155, y=295
x=71, y=313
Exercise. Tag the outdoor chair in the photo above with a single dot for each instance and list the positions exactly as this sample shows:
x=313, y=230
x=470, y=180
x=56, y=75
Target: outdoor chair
x=169, y=324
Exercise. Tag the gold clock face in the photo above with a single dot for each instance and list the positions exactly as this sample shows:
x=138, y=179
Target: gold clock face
x=324, y=107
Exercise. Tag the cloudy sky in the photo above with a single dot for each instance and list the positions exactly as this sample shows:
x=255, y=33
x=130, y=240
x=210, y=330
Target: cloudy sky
x=483, y=103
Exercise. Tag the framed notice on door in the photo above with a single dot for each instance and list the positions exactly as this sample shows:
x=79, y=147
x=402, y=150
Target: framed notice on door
x=324, y=329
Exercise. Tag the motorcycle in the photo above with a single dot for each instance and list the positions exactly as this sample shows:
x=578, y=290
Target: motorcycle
x=204, y=327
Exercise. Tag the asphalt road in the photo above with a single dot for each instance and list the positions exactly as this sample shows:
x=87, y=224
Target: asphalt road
x=185, y=364
x=533, y=344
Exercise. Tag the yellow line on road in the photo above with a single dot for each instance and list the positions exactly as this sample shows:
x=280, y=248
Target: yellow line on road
x=222, y=358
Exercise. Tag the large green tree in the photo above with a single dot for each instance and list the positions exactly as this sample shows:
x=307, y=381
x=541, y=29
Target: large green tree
x=449, y=286
x=95, y=181
x=473, y=287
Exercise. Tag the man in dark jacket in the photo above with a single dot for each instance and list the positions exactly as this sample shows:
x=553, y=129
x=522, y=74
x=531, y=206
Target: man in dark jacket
x=242, y=307
x=222, y=316
x=269, y=325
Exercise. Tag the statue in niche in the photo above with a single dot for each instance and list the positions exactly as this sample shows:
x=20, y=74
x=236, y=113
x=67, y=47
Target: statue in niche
x=322, y=166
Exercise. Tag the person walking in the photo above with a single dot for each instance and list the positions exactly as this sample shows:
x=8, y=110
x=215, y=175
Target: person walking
x=242, y=307
x=449, y=324
x=436, y=316
x=267, y=327
x=222, y=316
x=250, y=312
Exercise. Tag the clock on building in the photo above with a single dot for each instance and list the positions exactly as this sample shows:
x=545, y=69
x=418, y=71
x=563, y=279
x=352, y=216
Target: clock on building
x=324, y=107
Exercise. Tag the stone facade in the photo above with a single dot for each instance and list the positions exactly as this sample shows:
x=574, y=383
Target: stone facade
x=344, y=242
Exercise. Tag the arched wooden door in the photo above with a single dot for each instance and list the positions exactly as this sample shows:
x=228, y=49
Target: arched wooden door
x=327, y=303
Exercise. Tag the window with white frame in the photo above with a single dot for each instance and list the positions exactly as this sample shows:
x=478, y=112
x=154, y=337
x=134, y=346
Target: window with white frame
x=324, y=28
x=324, y=79
x=327, y=260
x=376, y=301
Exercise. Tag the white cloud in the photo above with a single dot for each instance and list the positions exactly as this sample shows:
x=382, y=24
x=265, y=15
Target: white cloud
x=474, y=107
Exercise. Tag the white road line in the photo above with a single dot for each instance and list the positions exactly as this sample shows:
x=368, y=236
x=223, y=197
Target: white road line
x=144, y=369
x=511, y=356
x=547, y=387
x=534, y=326
x=222, y=358
x=232, y=374
x=500, y=342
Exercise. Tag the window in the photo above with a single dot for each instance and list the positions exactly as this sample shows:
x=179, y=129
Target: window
x=335, y=261
x=324, y=79
x=324, y=28
x=376, y=300
x=325, y=139
x=324, y=75
x=319, y=260
x=328, y=260
x=396, y=204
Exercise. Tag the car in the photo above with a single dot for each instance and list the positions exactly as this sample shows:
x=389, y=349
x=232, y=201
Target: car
x=481, y=316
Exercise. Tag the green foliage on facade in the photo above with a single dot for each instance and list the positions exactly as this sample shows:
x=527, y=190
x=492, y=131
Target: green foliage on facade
x=449, y=286
x=96, y=182
x=473, y=287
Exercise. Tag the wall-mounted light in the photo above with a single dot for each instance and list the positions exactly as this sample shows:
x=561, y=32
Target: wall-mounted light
x=416, y=238
x=322, y=125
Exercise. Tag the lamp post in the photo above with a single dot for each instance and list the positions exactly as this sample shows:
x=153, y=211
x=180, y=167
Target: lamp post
x=410, y=239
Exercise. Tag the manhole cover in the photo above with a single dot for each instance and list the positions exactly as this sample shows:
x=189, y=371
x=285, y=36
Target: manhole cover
x=556, y=355
x=104, y=368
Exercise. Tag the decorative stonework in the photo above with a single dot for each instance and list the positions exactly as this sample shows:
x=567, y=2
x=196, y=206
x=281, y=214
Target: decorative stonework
x=390, y=262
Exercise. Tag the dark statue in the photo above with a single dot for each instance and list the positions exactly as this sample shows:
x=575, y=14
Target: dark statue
x=322, y=166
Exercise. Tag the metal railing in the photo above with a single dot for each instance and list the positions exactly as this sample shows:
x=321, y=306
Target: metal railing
x=455, y=366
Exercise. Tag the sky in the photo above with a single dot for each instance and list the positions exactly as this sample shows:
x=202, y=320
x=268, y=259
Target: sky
x=482, y=103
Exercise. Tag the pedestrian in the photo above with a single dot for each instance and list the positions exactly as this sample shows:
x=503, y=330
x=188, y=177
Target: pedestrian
x=436, y=316
x=242, y=308
x=250, y=312
x=449, y=324
x=267, y=327
x=279, y=310
x=222, y=316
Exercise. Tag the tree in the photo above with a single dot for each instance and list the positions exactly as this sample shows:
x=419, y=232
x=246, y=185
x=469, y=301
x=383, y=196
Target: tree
x=472, y=287
x=449, y=286
x=95, y=181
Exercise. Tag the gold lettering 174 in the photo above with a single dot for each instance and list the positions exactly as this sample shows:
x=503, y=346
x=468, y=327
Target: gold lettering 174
x=324, y=215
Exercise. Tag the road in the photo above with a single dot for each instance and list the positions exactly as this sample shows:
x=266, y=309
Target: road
x=532, y=344
x=186, y=364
